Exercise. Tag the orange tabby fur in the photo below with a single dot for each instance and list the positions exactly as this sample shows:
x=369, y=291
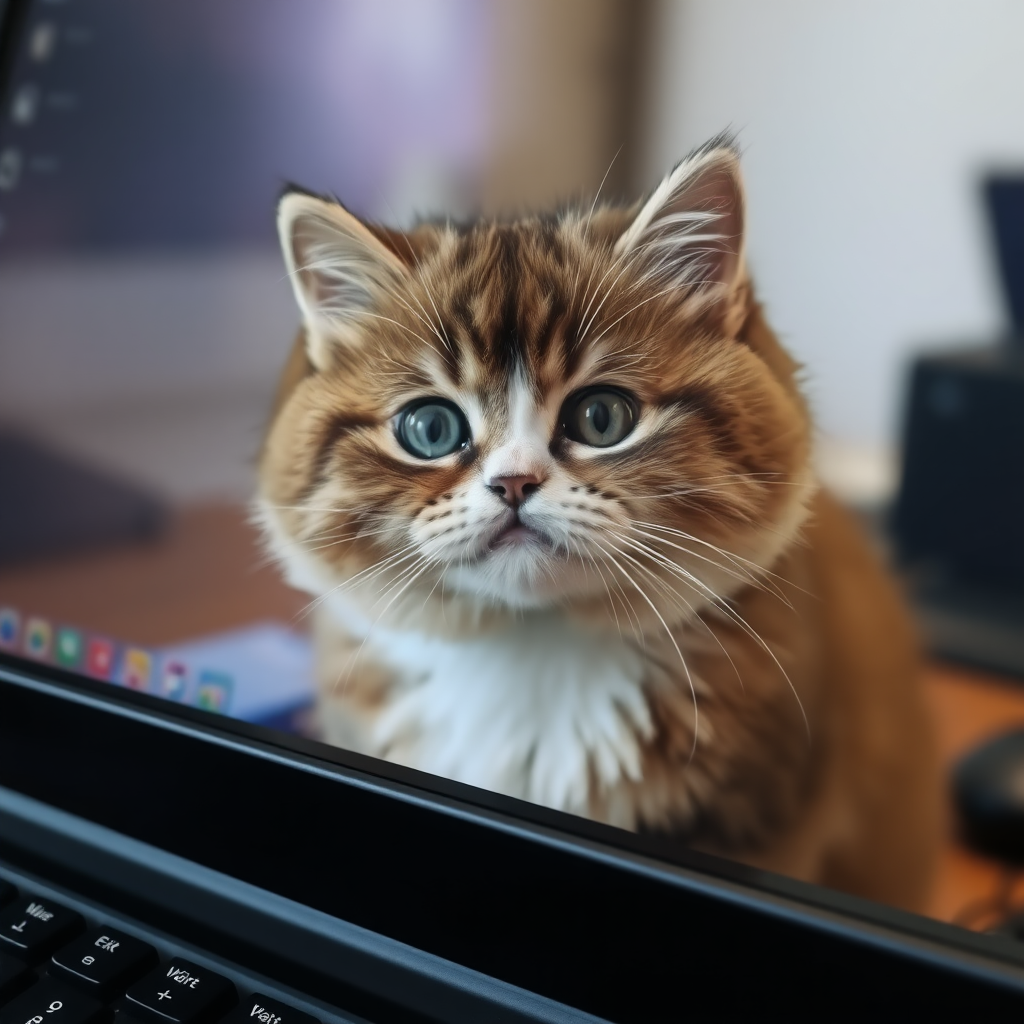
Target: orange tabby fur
x=782, y=722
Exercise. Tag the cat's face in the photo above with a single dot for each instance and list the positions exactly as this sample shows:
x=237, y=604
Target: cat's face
x=549, y=412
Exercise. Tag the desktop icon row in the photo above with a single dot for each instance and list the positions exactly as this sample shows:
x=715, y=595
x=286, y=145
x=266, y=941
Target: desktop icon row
x=100, y=658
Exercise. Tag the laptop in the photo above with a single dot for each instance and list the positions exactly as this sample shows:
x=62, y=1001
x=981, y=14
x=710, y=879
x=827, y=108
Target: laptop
x=176, y=845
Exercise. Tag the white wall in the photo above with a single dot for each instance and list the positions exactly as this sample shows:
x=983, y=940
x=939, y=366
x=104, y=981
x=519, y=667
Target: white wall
x=864, y=125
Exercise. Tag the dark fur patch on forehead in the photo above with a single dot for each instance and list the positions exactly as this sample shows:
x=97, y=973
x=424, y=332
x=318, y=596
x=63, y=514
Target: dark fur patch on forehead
x=551, y=317
x=509, y=298
x=506, y=343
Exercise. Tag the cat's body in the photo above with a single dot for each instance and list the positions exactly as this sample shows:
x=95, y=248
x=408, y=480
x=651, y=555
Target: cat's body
x=551, y=481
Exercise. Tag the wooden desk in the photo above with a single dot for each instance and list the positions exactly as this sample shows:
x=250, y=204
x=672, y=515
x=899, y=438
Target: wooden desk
x=209, y=574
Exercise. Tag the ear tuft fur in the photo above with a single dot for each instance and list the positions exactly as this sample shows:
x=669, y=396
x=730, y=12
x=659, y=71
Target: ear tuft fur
x=337, y=267
x=690, y=233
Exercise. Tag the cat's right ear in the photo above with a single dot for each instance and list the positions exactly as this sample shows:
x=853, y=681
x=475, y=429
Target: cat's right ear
x=339, y=271
x=689, y=234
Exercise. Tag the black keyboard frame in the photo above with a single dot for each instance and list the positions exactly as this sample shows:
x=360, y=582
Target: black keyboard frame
x=386, y=892
x=167, y=946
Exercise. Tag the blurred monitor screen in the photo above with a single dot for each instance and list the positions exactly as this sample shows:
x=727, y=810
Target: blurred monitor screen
x=145, y=314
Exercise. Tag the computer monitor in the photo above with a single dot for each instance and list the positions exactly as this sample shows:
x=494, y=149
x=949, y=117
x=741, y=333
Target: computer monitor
x=158, y=736
x=1004, y=196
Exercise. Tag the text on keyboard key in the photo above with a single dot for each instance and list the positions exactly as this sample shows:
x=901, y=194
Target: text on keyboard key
x=51, y=1002
x=182, y=992
x=259, y=1009
x=31, y=927
x=102, y=962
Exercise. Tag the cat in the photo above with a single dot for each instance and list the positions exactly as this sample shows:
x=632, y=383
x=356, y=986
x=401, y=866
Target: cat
x=550, y=482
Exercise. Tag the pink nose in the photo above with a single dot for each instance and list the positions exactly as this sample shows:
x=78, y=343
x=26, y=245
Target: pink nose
x=514, y=490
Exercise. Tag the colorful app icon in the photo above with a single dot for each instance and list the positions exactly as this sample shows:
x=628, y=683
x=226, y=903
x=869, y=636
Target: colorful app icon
x=173, y=680
x=10, y=626
x=67, y=648
x=136, y=669
x=38, y=637
x=99, y=657
x=214, y=691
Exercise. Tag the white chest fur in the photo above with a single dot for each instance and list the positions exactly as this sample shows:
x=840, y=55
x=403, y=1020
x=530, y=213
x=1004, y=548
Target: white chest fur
x=541, y=709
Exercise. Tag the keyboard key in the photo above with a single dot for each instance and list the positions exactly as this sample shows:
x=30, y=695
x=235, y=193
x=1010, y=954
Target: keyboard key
x=7, y=893
x=103, y=962
x=257, y=1009
x=50, y=1002
x=14, y=976
x=32, y=927
x=182, y=992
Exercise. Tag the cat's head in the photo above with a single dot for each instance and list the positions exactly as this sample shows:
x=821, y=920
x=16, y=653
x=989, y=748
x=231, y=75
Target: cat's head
x=584, y=409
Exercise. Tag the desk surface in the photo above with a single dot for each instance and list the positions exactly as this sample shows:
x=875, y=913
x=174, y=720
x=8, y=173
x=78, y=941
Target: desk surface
x=211, y=575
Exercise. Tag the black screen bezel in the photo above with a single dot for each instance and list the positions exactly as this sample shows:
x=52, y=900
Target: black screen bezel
x=590, y=916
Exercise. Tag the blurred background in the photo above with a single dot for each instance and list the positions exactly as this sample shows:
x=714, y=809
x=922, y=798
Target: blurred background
x=163, y=133
x=144, y=314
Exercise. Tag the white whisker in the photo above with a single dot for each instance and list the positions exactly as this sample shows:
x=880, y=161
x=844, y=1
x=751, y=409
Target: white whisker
x=731, y=613
x=667, y=563
x=671, y=636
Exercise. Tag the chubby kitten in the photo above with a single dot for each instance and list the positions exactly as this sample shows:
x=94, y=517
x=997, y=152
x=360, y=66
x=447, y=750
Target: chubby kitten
x=550, y=482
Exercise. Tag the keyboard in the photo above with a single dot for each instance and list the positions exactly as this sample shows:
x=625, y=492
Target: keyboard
x=63, y=961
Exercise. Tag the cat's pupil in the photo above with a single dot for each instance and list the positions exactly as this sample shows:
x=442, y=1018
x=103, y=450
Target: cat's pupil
x=432, y=429
x=599, y=418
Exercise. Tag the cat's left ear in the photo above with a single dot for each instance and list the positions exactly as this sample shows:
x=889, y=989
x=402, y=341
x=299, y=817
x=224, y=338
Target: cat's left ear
x=339, y=271
x=689, y=234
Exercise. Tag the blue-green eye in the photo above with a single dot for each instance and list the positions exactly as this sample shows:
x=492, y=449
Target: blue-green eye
x=432, y=428
x=599, y=417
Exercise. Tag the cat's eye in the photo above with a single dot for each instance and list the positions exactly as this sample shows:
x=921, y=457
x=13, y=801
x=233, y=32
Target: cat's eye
x=432, y=428
x=599, y=417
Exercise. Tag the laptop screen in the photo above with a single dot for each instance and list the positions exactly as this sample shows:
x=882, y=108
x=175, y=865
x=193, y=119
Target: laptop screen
x=146, y=313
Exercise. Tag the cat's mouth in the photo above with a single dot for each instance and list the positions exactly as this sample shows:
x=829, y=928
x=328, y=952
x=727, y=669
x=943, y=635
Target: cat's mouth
x=516, y=533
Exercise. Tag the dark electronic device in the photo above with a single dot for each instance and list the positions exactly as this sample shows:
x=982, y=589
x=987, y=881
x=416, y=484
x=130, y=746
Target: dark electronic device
x=959, y=517
x=1004, y=195
x=988, y=788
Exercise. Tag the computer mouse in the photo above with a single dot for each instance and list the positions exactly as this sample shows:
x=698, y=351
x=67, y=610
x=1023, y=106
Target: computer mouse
x=988, y=790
